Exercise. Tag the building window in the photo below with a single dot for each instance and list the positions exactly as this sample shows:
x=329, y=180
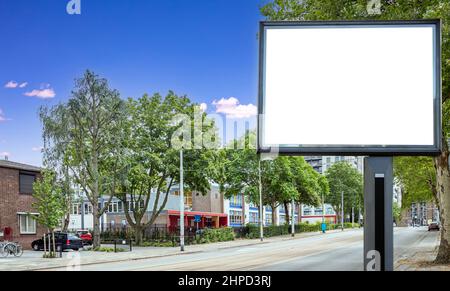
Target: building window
x=254, y=218
x=136, y=205
x=113, y=207
x=307, y=211
x=236, y=201
x=282, y=219
x=88, y=209
x=235, y=217
x=26, y=183
x=268, y=218
x=27, y=224
x=187, y=198
x=76, y=209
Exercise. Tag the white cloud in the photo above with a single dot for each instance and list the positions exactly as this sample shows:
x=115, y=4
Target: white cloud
x=23, y=85
x=37, y=149
x=45, y=93
x=232, y=108
x=2, y=116
x=11, y=85
x=203, y=107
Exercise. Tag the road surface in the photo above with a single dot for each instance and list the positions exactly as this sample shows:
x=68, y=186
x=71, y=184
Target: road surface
x=334, y=251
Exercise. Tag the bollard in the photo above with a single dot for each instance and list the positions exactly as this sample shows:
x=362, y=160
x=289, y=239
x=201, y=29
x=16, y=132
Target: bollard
x=131, y=245
x=115, y=246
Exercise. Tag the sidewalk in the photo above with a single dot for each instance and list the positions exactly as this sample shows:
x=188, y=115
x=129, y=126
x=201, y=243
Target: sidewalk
x=422, y=258
x=33, y=261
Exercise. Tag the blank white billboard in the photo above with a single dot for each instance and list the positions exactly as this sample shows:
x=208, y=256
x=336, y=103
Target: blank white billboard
x=350, y=87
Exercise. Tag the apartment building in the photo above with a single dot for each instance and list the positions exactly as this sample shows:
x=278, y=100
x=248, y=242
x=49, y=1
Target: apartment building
x=200, y=211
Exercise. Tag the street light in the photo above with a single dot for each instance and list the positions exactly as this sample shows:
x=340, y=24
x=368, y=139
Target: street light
x=261, y=210
x=181, y=202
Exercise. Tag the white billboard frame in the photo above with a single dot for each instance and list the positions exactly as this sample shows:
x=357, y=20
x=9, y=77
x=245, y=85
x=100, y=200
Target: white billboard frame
x=354, y=149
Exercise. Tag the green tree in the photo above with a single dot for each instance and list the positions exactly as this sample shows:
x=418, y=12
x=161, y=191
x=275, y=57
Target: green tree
x=400, y=9
x=49, y=198
x=397, y=213
x=81, y=133
x=417, y=179
x=282, y=179
x=345, y=179
x=151, y=163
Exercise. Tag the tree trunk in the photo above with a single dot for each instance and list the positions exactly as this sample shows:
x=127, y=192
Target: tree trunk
x=66, y=222
x=45, y=245
x=287, y=213
x=96, y=218
x=54, y=244
x=138, y=234
x=443, y=193
x=273, y=216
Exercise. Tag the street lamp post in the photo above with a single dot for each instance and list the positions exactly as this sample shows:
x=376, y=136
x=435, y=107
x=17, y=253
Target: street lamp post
x=353, y=216
x=292, y=217
x=181, y=202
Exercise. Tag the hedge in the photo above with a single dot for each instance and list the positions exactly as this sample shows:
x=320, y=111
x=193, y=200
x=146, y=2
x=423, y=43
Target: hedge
x=253, y=231
x=216, y=235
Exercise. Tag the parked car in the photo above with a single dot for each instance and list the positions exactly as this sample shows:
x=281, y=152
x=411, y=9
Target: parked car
x=434, y=226
x=86, y=236
x=63, y=241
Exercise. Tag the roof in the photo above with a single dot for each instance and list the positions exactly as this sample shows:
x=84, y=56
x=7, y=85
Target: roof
x=18, y=166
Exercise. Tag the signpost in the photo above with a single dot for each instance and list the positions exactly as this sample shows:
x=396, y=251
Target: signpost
x=353, y=88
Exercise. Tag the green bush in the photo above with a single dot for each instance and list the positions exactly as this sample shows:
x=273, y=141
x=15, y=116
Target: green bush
x=108, y=250
x=159, y=244
x=215, y=235
x=253, y=231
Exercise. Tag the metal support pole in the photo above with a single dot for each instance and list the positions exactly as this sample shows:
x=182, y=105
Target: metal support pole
x=261, y=208
x=378, y=225
x=181, y=202
x=342, y=211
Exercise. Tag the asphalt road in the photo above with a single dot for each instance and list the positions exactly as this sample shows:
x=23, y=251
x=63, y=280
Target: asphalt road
x=335, y=251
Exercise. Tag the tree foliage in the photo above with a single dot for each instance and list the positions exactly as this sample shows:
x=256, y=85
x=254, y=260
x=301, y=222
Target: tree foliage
x=150, y=161
x=49, y=203
x=417, y=179
x=283, y=179
x=82, y=135
x=345, y=179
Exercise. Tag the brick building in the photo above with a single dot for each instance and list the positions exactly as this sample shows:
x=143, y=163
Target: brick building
x=16, y=210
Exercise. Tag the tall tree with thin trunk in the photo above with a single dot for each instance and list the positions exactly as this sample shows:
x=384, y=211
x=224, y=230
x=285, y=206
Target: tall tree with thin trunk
x=398, y=9
x=47, y=192
x=82, y=133
x=344, y=179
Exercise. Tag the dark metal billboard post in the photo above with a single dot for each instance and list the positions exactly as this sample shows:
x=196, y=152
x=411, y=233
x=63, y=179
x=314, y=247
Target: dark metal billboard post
x=379, y=222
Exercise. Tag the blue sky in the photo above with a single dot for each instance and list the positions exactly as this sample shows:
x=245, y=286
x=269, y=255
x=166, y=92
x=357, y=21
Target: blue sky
x=207, y=49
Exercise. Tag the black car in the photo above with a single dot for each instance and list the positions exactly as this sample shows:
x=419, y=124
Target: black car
x=63, y=241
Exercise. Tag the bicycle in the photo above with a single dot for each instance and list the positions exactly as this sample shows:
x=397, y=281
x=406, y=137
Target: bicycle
x=3, y=252
x=11, y=249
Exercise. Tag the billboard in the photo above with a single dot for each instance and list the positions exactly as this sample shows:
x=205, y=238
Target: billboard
x=350, y=88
